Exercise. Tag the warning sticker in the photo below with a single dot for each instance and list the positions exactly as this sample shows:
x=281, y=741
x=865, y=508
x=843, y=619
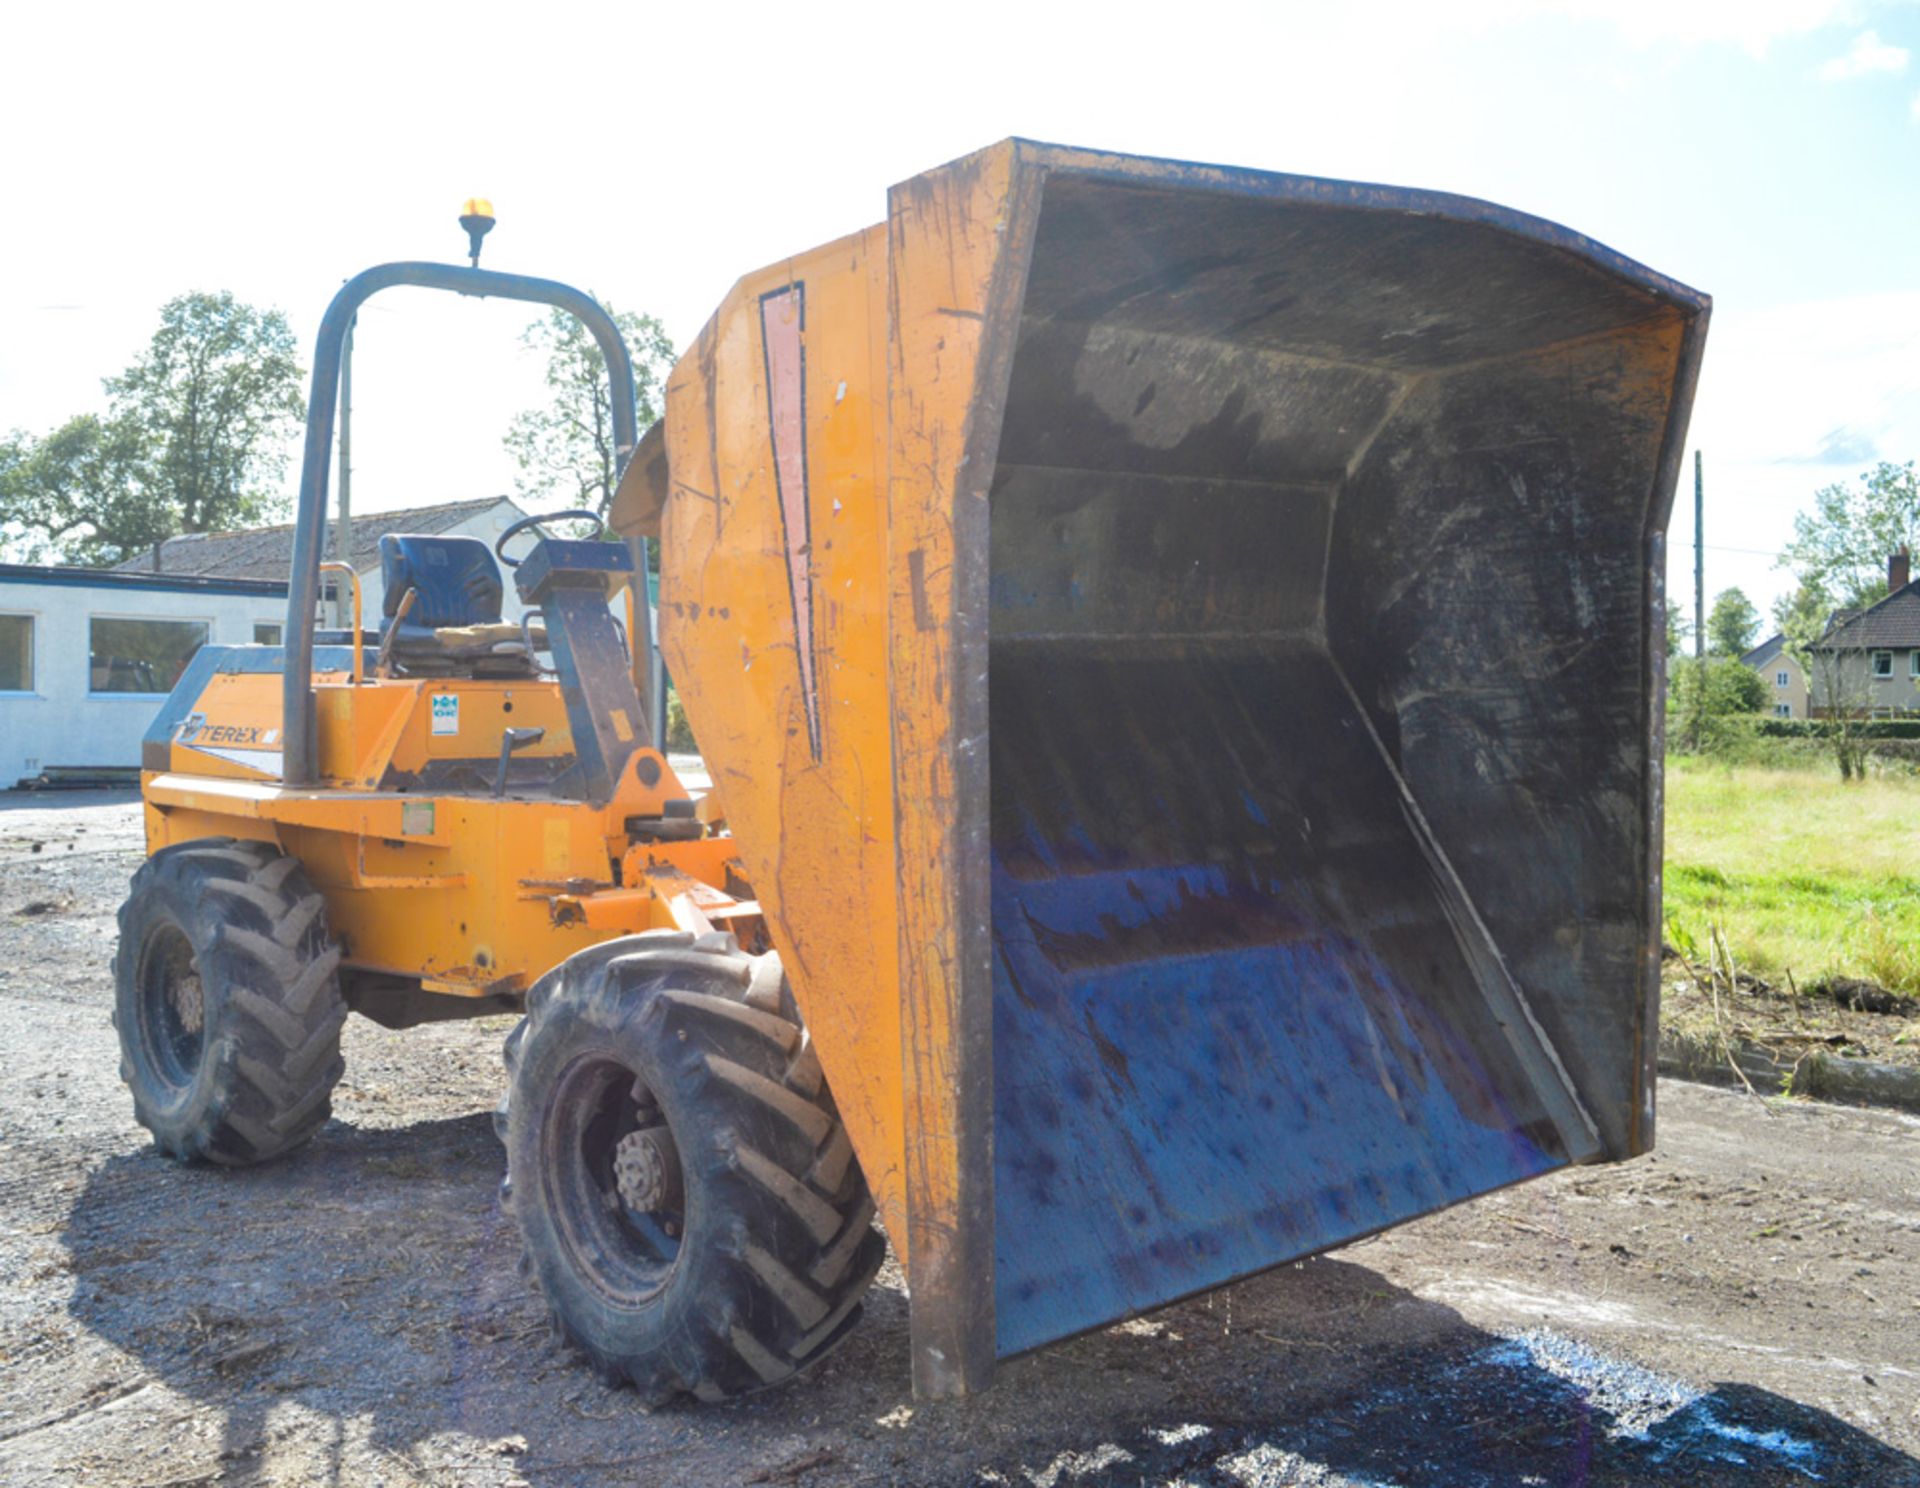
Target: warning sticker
x=446, y=712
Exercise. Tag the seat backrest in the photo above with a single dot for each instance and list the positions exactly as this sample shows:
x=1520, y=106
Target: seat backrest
x=456, y=579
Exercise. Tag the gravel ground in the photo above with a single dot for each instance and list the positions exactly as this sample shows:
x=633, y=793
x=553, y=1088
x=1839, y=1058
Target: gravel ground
x=1741, y=1308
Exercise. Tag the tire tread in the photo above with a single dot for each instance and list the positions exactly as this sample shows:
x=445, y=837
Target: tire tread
x=258, y=928
x=803, y=1247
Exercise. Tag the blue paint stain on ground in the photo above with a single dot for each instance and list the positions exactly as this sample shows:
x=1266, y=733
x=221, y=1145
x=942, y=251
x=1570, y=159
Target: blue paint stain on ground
x=1635, y=1399
x=1536, y=1409
x=1675, y=1419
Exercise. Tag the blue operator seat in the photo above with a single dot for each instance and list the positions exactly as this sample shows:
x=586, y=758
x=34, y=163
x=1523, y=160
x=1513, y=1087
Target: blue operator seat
x=453, y=626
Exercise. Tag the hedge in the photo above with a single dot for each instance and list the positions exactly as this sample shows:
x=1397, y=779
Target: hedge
x=1823, y=728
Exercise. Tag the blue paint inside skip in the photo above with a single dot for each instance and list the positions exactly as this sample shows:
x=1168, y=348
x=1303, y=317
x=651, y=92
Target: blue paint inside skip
x=1232, y=1025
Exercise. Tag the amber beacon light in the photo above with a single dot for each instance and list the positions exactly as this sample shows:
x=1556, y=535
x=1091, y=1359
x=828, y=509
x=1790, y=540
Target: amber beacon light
x=477, y=218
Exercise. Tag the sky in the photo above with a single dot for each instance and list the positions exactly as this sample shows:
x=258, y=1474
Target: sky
x=1767, y=152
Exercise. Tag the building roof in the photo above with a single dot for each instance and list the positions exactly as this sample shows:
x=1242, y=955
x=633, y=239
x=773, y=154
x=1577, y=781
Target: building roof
x=1891, y=625
x=1765, y=652
x=267, y=552
x=113, y=578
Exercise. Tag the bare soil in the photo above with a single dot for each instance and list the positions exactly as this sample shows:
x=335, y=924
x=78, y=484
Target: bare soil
x=1847, y=1018
x=1743, y=1307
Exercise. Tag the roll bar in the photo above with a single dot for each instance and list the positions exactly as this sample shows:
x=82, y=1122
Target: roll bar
x=299, y=729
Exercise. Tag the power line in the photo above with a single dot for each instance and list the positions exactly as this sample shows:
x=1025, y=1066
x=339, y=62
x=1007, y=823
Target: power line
x=1753, y=552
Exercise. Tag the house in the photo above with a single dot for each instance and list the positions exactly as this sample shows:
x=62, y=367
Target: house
x=1786, y=681
x=267, y=552
x=87, y=656
x=1868, y=662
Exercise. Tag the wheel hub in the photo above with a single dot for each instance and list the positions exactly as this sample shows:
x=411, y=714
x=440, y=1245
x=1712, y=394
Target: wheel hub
x=189, y=1001
x=646, y=1168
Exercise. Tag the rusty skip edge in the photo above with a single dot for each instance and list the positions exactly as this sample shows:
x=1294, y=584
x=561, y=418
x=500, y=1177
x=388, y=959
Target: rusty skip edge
x=1653, y=693
x=952, y=1235
x=1101, y=165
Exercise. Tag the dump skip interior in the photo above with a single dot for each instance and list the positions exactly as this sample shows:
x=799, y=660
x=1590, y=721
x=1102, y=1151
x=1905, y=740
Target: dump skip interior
x=1317, y=718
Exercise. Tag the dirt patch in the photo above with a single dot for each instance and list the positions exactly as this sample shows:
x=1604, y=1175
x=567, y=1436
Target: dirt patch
x=1844, y=1017
x=1737, y=1309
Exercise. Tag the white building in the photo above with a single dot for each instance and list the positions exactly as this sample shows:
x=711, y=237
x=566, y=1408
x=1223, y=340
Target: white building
x=87, y=655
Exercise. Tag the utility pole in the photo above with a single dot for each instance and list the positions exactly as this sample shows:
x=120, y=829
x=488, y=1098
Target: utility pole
x=1699, y=599
x=343, y=530
x=1699, y=566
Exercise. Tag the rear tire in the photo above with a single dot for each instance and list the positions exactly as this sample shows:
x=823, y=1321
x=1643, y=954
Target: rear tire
x=679, y=1064
x=227, y=1001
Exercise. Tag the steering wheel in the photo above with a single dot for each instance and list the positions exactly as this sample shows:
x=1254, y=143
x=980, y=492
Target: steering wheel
x=534, y=522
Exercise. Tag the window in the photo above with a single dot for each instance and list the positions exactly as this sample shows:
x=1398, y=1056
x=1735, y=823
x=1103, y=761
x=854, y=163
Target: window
x=266, y=632
x=1783, y=710
x=16, y=653
x=1781, y=679
x=1913, y=663
x=1883, y=663
x=141, y=655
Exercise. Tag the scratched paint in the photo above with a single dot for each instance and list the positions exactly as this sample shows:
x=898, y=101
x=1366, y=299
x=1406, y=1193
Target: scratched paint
x=1268, y=971
x=1232, y=1025
x=783, y=321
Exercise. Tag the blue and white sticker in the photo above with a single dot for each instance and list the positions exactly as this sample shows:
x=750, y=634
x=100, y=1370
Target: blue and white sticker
x=446, y=712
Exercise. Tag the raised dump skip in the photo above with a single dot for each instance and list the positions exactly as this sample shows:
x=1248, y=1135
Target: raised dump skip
x=1179, y=648
x=1318, y=722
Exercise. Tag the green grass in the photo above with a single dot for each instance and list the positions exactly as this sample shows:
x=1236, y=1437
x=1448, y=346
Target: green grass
x=1801, y=872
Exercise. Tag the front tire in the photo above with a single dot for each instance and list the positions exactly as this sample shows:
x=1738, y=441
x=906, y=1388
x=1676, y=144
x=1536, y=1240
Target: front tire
x=227, y=1001
x=690, y=1203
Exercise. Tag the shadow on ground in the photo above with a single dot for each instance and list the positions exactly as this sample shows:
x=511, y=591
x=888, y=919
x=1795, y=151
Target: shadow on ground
x=359, y=1303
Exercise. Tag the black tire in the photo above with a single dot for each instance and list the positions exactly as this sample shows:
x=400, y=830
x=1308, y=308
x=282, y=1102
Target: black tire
x=227, y=1000
x=775, y=1244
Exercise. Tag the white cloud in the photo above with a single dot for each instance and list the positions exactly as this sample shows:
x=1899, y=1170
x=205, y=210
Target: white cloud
x=1815, y=381
x=1868, y=54
x=1753, y=25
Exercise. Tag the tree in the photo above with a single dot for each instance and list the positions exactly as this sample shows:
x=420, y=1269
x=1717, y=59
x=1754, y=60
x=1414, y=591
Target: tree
x=1731, y=623
x=1837, y=688
x=1843, y=544
x=217, y=394
x=1803, y=612
x=565, y=449
x=195, y=441
x=1728, y=688
x=1677, y=632
x=79, y=494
